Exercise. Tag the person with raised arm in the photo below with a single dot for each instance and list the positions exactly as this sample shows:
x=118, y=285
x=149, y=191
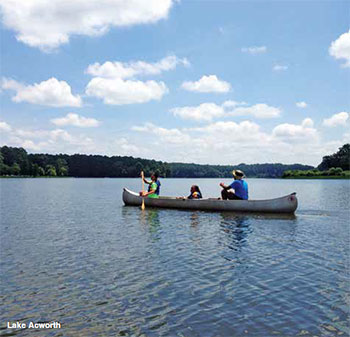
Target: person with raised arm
x=237, y=190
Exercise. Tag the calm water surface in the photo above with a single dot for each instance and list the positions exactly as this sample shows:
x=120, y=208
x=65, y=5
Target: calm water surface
x=72, y=253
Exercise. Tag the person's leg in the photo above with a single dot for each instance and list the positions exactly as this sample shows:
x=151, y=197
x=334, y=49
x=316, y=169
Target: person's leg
x=229, y=195
x=224, y=194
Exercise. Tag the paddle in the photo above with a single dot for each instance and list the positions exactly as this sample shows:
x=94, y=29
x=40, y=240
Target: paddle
x=143, y=189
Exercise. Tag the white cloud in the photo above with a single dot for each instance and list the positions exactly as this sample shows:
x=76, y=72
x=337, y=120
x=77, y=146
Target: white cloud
x=31, y=134
x=245, y=130
x=258, y=110
x=203, y=112
x=294, y=132
x=211, y=143
x=61, y=140
x=232, y=104
x=207, y=84
x=340, y=48
x=61, y=134
x=279, y=67
x=127, y=149
x=115, y=82
x=209, y=111
x=53, y=141
x=30, y=145
x=172, y=136
x=48, y=25
x=131, y=69
x=220, y=142
x=52, y=93
x=301, y=105
x=254, y=50
x=4, y=126
x=76, y=120
x=229, y=142
x=337, y=119
x=118, y=91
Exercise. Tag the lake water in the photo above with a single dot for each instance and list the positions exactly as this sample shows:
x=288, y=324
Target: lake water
x=72, y=253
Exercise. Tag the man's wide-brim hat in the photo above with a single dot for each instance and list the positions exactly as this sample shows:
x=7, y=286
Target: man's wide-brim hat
x=238, y=173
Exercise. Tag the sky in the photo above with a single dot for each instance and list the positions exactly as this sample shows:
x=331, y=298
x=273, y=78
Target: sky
x=208, y=82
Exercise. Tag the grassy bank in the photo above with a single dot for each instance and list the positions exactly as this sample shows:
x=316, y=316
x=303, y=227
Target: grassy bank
x=315, y=174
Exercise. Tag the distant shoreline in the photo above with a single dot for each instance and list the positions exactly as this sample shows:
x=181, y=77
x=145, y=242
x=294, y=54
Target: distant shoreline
x=319, y=177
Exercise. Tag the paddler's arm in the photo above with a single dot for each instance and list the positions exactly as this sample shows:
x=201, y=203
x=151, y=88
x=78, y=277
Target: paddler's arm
x=224, y=186
x=147, y=182
x=148, y=193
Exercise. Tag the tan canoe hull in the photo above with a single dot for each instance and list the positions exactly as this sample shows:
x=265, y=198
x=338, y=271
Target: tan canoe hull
x=286, y=204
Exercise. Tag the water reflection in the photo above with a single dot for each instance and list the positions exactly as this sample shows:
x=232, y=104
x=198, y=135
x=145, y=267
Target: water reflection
x=148, y=219
x=151, y=218
x=194, y=219
x=237, y=229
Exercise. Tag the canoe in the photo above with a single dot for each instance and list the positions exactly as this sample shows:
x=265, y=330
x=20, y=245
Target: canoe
x=286, y=204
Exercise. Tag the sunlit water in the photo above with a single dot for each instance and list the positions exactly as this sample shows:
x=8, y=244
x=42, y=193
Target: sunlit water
x=72, y=253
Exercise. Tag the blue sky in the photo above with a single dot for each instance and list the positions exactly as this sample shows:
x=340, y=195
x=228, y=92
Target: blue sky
x=220, y=82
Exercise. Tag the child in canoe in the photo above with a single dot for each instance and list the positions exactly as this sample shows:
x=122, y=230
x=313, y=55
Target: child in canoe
x=195, y=193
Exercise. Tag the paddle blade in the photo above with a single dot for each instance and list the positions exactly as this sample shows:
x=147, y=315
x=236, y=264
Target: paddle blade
x=143, y=204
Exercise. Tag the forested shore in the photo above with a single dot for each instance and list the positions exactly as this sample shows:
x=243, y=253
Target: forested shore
x=16, y=162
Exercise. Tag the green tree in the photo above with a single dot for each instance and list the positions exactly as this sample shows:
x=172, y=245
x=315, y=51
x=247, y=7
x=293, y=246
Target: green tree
x=287, y=174
x=37, y=170
x=339, y=159
x=4, y=169
x=15, y=169
x=338, y=171
x=138, y=168
x=63, y=171
x=12, y=155
x=61, y=167
x=335, y=171
x=41, y=171
x=50, y=171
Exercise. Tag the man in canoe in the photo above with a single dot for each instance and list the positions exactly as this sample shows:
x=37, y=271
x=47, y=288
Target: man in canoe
x=153, y=188
x=239, y=187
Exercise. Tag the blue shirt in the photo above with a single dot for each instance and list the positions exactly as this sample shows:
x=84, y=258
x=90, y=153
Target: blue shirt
x=158, y=187
x=241, y=189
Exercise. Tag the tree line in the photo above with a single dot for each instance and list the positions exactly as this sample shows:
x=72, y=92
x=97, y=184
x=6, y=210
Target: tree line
x=339, y=159
x=315, y=173
x=336, y=165
x=16, y=161
x=182, y=170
